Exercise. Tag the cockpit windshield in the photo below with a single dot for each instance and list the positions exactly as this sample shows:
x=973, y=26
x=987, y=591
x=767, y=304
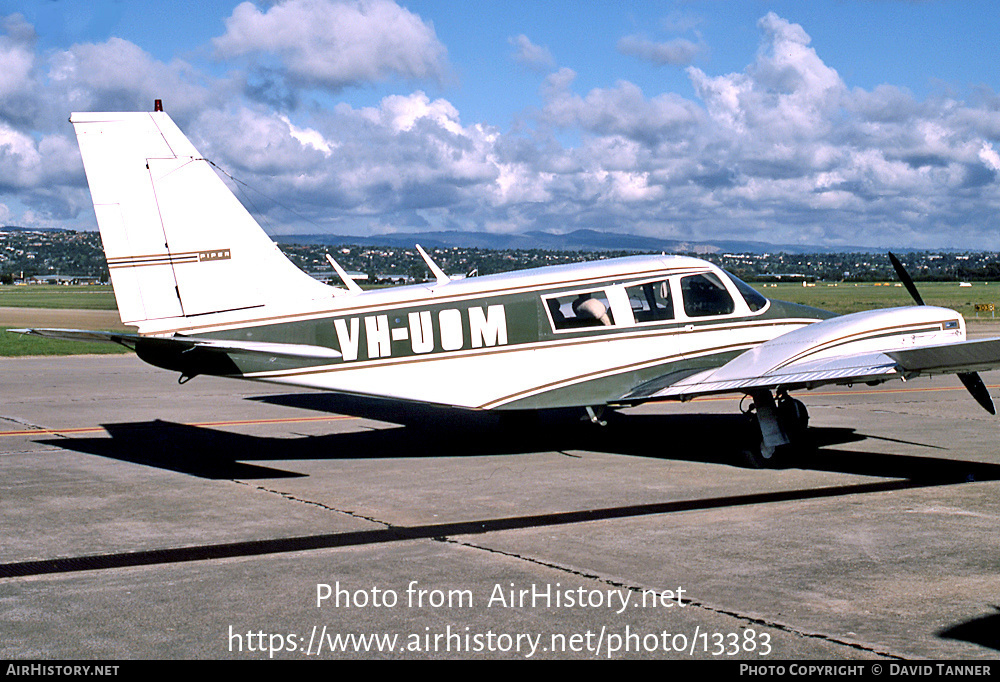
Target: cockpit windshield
x=754, y=300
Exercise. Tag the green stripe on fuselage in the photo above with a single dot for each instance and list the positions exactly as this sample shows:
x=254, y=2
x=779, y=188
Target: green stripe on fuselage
x=426, y=329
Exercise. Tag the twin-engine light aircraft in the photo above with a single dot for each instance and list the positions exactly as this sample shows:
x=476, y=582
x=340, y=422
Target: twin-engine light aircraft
x=210, y=293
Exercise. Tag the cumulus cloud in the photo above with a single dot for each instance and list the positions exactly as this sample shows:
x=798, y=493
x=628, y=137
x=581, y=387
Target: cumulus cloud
x=989, y=156
x=333, y=44
x=426, y=156
x=621, y=110
x=19, y=158
x=368, y=165
x=787, y=89
x=17, y=68
x=676, y=51
x=118, y=75
x=533, y=56
x=781, y=151
x=43, y=172
x=679, y=51
x=309, y=137
x=16, y=55
x=40, y=166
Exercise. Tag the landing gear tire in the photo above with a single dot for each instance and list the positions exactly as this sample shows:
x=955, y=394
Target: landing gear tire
x=794, y=418
x=757, y=455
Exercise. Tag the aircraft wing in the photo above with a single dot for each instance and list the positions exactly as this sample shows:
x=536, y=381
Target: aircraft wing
x=850, y=369
x=867, y=347
x=182, y=343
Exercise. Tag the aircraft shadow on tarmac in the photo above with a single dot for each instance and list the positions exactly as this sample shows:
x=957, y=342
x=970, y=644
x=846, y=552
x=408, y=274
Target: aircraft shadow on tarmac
x=984, y=631
x=429, y=431
x=432, y=432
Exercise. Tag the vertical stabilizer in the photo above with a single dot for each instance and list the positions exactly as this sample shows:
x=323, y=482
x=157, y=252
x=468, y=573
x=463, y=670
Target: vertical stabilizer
x=178, y=243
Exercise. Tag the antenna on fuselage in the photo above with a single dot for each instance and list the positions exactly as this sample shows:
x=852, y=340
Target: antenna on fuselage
x=352, y=286
x=437, y=272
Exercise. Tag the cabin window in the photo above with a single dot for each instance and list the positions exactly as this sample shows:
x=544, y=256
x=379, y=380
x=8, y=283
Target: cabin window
x=585, y=309
x=705, y=295
x=651, y=301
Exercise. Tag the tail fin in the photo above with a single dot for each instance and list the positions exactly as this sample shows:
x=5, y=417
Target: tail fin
x=178, y=243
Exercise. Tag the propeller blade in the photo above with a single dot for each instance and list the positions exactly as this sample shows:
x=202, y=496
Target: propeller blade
x=904, y=277
x=977, y=388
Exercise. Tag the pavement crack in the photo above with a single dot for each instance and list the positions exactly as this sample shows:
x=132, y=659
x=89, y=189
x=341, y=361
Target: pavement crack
x=22, y=422
x=694, y=603
x=313, y=503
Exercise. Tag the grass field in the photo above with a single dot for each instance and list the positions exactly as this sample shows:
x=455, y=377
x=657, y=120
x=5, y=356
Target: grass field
x=19, y=345
x=54, y=297
x=93, y=297
x=839, y=298
x=843, y=298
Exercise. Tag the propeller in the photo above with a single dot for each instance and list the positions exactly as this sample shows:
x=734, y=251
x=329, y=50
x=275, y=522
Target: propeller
x=971, y=380
x=904, y=277
x=977, y=388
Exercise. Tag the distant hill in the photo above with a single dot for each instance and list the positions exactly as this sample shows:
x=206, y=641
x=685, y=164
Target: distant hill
x=578, y=240
x=16, y=228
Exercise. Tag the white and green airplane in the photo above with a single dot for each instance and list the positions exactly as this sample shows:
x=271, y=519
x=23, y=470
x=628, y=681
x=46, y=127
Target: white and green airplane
x=210, y=293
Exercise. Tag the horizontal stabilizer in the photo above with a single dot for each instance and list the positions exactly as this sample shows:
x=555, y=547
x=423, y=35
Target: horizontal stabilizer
x=77, y=335
x=284, y=350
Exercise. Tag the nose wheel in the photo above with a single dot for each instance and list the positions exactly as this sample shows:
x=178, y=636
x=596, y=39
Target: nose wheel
x=777, y=430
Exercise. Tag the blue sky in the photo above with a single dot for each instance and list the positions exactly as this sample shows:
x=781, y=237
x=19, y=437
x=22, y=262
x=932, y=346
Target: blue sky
x=854, y=123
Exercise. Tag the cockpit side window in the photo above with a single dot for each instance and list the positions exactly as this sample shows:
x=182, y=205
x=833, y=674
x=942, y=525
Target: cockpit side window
x=704, y=295
x=586, y=309
x=651, y=301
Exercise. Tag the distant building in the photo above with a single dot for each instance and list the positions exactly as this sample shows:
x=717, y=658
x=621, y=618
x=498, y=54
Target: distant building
x=332, y=278
x=61, y=279
x=394, y=278
x=785, y=277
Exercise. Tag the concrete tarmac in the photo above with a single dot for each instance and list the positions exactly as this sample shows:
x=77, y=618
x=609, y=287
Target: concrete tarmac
x=140, y=518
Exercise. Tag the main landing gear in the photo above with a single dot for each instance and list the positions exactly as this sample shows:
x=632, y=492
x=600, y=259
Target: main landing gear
x=777, y=431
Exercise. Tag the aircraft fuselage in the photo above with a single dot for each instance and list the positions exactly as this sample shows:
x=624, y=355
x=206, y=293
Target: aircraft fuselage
x=562, y=336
